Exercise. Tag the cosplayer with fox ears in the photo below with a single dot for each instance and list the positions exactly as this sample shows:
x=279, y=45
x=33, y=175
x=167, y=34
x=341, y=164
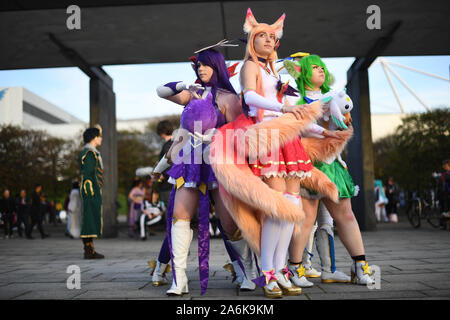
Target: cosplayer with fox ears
x=263, y=195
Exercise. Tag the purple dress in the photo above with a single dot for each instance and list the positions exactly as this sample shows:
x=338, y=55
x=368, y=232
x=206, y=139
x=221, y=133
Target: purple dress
x=193, y=172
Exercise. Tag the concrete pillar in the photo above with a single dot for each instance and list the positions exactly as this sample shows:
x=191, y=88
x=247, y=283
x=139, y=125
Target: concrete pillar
x=360, y=148
x=103, y=112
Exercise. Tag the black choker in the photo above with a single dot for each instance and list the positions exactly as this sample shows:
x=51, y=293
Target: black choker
x=262, y=60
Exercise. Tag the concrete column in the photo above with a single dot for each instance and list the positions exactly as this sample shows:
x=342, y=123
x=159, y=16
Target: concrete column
x=103, y=112
x=360, y=148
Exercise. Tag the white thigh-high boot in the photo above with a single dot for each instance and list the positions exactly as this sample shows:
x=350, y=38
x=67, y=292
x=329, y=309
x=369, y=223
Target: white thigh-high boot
x=270, y=234
x=282, y=272
x=325, y=247
x=181, y=240
x=246, y=256
x=308, y=255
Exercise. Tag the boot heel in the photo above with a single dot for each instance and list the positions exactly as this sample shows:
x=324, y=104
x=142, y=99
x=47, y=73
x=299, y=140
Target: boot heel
x=185, y=289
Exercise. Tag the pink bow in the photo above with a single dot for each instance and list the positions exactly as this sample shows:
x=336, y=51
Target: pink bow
x=270, y=275
x=286, y=272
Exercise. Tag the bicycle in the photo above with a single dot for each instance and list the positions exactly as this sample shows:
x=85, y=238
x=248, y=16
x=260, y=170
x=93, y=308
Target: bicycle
x=425, y=207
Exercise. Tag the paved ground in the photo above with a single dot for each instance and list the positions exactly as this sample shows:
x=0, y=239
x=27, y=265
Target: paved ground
x=415, y=264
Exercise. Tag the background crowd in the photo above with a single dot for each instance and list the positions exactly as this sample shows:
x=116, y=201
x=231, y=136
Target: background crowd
x=406, y=162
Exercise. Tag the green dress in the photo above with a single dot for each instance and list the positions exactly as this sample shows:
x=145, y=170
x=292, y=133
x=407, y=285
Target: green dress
x=91, y=193
x=339, y=176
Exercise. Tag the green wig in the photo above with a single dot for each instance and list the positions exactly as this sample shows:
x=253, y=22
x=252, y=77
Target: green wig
x=302, y=72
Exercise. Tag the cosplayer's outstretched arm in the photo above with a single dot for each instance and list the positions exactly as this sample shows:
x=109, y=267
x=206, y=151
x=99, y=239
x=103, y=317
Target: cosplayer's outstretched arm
x=178, y=92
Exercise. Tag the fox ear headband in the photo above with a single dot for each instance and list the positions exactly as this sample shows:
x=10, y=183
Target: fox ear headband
x=250, y=23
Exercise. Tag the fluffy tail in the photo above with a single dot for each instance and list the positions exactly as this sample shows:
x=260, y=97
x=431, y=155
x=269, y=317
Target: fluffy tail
x=246, y=218
x=241, y=183
x=320, y=183
x=322, y=149
x=273, y=134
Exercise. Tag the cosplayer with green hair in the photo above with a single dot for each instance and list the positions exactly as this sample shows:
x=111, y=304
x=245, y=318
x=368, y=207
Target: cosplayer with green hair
x=302, y=71
x=313, y=82
x=303, y=78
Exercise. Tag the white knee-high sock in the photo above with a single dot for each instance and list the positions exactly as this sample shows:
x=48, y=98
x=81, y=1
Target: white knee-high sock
x=286, y=230
x=269, y=240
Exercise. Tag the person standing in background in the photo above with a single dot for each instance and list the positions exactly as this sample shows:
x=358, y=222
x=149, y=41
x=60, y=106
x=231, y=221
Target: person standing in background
x=161, y=186
x=74, y=209
x=136, y=196
x=7, y=208
x=392, y=196
x=23, y=211
x=35, y=213
x=91, y=170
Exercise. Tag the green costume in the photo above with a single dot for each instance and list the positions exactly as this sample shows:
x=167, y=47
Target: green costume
x=91, y=170
x=339, y=176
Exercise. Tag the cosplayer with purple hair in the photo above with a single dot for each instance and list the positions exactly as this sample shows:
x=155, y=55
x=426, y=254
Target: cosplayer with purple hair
x=208, y=104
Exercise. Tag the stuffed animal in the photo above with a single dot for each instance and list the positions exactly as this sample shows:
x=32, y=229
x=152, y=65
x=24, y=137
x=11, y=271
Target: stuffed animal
x=339, y=109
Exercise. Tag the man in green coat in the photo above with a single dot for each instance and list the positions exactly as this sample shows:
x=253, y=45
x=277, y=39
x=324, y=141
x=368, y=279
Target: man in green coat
x=91, y=170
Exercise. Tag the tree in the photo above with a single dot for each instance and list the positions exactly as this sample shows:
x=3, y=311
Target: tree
x=31, y=156
x=416, y=150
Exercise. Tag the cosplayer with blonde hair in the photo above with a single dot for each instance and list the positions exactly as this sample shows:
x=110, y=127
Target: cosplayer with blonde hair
x=263, y=195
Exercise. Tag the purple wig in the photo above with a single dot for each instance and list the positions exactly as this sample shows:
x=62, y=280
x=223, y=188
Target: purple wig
x=220, y=78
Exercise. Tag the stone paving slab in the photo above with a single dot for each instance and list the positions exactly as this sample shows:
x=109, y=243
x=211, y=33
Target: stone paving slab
x=415, y=264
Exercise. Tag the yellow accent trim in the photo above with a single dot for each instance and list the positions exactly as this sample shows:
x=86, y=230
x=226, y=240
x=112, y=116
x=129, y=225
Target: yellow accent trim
x=89, y=236
x=301, y=271
x=85, y=155
x=176, y=219
x=230, y=268
x=84, y=185
x=334, y=281
x=202, y=188
x=236, y=235
x=180, y=182
x=312, y=276
x=152, y=264
x=299, y=54
x=274, y=293
x=366, y=268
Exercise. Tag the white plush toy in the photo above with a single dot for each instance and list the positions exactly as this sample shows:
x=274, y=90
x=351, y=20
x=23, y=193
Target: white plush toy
x=339, y=112
x=339, y=109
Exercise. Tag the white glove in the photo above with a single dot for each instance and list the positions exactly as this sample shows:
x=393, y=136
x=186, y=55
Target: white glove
x=205, y=138
x=162, y=165
x=192, y=88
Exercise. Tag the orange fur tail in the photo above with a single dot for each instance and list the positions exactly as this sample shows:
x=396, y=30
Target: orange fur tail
x=320, y=183
x=273, y=134
x=322, y=149
x=246, y=218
